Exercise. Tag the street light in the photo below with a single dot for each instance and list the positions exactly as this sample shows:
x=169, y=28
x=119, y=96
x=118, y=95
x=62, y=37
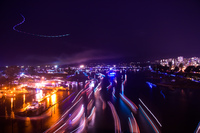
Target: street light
x=56, y=66
x=81, y=66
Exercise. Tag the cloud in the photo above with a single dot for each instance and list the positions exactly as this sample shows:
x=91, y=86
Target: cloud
x=84, y=56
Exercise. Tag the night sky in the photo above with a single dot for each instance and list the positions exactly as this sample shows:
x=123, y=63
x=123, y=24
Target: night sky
x=99, y=29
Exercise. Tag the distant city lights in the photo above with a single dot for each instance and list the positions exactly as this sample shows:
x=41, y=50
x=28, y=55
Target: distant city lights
x=81, y=66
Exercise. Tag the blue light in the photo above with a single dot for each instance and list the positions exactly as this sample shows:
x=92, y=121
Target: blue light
x=22, y=74
x=112, y=74
x=103, y=75
x=151, y=85
x=162, y=94
x=85, y=74
x=173, y=75
x=14, y=28
x=122, y=88
x=108, y=87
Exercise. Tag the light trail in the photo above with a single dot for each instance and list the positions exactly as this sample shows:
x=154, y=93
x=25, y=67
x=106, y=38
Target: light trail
x=116, y=118
x=87, y=84
x=115, y=80
x=60, y=128
x=130, y=125
x=89, y=106
x=150, y=112
x=108, y=87
x=104, y=103
x=63, y=114
x=137, y=130
x=129, y=102
x=81, y=127
x=90, y=94
x=122, y=86
x=55, y=124
x=68, y=97
x=92, y=113
x=77, y=95
x=14, y=28
x=113, y=93
x=78, y=115
x=62, y=117
x=122, y=90
x=154, y=127
x=71, y=107
x=125, y=77
x=151, y=85
x=162, y=94
x=197, y=129
x=97, y=88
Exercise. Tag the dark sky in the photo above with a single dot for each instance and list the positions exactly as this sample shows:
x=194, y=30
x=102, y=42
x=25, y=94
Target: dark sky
x=99, y=29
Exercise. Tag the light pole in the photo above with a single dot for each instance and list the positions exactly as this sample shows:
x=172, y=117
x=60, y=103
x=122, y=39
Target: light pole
x=56, y=66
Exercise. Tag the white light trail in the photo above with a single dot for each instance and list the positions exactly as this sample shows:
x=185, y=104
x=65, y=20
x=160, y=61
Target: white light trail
x=197, y=129
x=81, y=127
x=150, y=112
x=154, y=127
x=92, y=113
x=71, y=107
x=77, y=95
x=79, y=114
x=60, y=127
x=90, y=94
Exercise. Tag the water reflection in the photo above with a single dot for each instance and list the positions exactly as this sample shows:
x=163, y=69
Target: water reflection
x=24, y=100
x=28, y=125
x=12, y=115
x=39, y=95
x=6, y=113
x=48, y=105
x=53, y=99
x=47, y=101
x=11, y=103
